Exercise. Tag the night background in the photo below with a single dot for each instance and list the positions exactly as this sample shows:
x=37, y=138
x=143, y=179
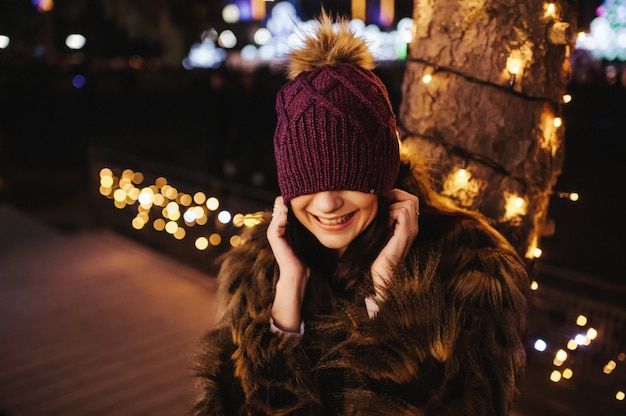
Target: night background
x=126, y=101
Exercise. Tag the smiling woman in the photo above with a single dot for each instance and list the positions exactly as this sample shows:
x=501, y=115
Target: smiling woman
x=346, y=300
x=335, y=218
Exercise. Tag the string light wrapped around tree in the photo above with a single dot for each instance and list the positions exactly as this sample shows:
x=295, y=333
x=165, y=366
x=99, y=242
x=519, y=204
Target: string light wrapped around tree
x=496, y=79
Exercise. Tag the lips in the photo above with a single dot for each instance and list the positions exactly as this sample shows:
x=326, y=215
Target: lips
x=330, y=222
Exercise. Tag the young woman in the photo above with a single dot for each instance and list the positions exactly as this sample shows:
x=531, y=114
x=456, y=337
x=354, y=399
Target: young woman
x=363, y=293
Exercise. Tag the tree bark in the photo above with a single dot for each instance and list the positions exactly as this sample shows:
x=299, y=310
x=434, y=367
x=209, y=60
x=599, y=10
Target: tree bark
x=474, y=114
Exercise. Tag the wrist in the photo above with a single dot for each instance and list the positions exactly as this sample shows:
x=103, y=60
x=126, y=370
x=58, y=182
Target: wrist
x=288, y=298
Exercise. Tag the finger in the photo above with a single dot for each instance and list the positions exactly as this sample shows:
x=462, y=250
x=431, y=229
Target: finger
x=398, y=195
x=406, y=211
x=279, y=219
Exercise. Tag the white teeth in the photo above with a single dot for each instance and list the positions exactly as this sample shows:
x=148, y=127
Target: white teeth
x=334, y=221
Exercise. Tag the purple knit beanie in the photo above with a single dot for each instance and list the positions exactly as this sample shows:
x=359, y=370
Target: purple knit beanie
x=336, y=129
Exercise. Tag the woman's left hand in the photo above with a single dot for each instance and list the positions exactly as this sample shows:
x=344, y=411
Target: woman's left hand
x=403, y=215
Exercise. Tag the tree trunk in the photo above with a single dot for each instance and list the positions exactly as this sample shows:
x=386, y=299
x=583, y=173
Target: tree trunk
x=488, y=120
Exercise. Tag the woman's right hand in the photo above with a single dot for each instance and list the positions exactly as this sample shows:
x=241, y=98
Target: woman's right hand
x=293, y=276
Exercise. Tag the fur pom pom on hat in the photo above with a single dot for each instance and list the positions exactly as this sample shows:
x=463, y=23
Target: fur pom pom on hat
x=336, y=129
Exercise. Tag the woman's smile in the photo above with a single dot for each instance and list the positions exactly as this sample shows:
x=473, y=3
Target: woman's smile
x=335, y=221
x=335, y=218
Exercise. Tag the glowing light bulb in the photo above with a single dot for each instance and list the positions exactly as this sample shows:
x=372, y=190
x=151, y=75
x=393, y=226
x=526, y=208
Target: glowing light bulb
x=427, y=78
x=514, y=63
x=550, y=9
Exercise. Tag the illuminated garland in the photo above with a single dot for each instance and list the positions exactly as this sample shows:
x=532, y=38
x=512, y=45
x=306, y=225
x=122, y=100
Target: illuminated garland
x=508, y=88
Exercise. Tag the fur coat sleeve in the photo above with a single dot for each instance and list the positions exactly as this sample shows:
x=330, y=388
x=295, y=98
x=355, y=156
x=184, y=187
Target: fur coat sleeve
x=446, y=340
x=244, y=368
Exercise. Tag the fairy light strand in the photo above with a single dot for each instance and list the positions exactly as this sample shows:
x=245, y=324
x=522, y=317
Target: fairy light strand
x=467, y=155
x=505, y=88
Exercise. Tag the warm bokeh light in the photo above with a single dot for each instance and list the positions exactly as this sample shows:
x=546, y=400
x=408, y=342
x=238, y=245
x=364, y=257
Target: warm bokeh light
x=238, y=220
x=534, y=285
x=236, y=240
x=572, y=345
x=592, y=333
x=215, y=239
x=185, y=199
x=119, y=195
x=171, y=227
x=160, y=182
x=581, y=320
x=199, y=198
x=180, y=233
x=561, y=355
x=171, y=205
x=146, y=197
x=252, y=220
x=559, y=358
x=555, y=376
x=106, y=181
x=159, y=224
x=212, y=203
x=202, y=243
x=138, y=223
x=568, y=373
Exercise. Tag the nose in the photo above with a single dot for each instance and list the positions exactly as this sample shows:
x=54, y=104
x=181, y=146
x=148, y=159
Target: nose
x=328, y=201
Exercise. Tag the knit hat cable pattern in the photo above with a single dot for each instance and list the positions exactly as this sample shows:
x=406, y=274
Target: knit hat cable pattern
x=336, y=131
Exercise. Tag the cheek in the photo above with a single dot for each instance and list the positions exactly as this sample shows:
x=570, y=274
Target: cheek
x=300, y=216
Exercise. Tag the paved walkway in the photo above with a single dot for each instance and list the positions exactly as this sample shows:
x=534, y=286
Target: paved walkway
x=94, y=324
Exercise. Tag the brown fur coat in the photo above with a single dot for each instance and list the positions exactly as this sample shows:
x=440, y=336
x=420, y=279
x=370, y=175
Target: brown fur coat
x=446, y=341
